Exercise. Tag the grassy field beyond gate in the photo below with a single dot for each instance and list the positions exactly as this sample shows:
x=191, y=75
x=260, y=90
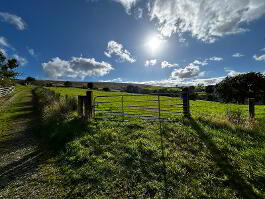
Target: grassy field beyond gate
x=198, y=107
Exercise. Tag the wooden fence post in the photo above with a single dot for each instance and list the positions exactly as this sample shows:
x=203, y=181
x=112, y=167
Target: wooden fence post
x=88, y=105
x=80, y=108
x=186, y=103
x=251, y=108
x=66, y=97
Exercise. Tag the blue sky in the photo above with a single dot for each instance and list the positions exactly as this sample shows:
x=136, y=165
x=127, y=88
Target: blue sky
x=159, y=42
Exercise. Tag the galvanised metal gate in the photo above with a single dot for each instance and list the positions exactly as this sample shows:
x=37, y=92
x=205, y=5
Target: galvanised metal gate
x=133, y=107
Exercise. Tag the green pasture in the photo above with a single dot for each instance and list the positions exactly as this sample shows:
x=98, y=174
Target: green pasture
x=169, y=106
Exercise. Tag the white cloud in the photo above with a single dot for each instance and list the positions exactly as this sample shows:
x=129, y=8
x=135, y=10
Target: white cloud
x=216, y=59
x=117, y=49
x=259, y=58
x=127, y=4
x=238, y=55
x=181, y=82
x=203, y=63
x=3, y=51
x=4, y=42
x=165, y=64
x=263, y=49
x=76, y=68
x=232, y=73
x=189, y=71
x=186, y=72
x=151, y=62
x=21, y=60
x=14, y=20
x=112, y=80
x=205, y=20
x=138, y=13
x=31, y=52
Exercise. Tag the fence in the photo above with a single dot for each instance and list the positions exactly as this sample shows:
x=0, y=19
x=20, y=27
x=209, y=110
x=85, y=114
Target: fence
x=130, y=107
x=160, y=107
x=6, y=90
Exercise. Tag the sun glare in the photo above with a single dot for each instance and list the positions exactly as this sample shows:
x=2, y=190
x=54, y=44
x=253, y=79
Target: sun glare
x=154, y=43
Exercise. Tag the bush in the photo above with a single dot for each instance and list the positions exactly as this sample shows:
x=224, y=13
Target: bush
x=57, y=123
x=235, y=116
x=90, y=85
x=106, y=89
x=68, y=84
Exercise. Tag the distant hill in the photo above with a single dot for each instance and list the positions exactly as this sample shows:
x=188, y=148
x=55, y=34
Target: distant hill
x=111, y=85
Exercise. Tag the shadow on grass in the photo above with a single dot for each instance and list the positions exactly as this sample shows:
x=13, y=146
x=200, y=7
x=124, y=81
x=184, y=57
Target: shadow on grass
x=235, y=179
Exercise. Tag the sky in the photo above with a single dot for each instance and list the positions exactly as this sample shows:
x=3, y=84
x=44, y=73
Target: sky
x=156, y=42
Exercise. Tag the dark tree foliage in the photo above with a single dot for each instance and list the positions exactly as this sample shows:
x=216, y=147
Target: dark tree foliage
x=106, y=89
x=241, y=87
x=7, y=67
x=132, y=89
x=68, y=84
x=30, y=79
x=90, y=85
x=209, y=89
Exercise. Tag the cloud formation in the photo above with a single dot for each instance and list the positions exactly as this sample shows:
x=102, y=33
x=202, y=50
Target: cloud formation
x=238, y=55
x=76, y=68
x=181, y=82
x=31, y=52
x=4, y=42
x=205, y=20
x=165, y=64
x=14, y=20
x=115, y=48
x=127, y=4
x=216, y=59
x=150, y=62
x=259, y=58
x=189, y=71
x=21, y=60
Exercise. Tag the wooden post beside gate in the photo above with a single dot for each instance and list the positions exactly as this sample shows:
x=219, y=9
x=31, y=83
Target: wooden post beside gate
x=88, y=105
x=186, y=102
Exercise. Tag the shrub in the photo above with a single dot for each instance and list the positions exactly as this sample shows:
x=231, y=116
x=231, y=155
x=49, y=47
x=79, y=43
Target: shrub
x=235, y=115
x=90, y=85
x=106, y=89
x=68, y=84
x=57, y=123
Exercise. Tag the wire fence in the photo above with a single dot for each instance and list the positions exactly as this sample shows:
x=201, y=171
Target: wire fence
x=223, y=110
x=129, y=107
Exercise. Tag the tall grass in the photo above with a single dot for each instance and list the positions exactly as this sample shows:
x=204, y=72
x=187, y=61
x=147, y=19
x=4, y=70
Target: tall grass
x=58, y=123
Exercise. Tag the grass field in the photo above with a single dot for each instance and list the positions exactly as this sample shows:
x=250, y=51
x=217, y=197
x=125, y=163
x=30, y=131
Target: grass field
x=198, y=107
x=188, y=158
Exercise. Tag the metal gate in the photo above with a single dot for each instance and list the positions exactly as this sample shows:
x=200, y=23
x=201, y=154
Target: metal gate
x=133, y=107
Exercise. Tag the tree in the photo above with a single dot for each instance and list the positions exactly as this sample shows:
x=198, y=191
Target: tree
x=68, y=84
x=29, y=80
x=106, y=89
x=90, y=85
x=241, y=87
x=7, y=68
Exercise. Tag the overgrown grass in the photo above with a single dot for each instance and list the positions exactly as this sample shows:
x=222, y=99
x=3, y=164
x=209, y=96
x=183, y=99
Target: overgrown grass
x=58, y=123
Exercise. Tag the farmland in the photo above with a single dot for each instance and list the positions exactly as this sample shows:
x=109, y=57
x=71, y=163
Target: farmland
x=198, y=107
x=188, y=158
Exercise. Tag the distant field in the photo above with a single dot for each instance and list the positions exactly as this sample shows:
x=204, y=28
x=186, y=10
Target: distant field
x=198, y=107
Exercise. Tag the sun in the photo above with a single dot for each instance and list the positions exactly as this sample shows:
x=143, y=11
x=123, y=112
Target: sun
x=154, y=43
